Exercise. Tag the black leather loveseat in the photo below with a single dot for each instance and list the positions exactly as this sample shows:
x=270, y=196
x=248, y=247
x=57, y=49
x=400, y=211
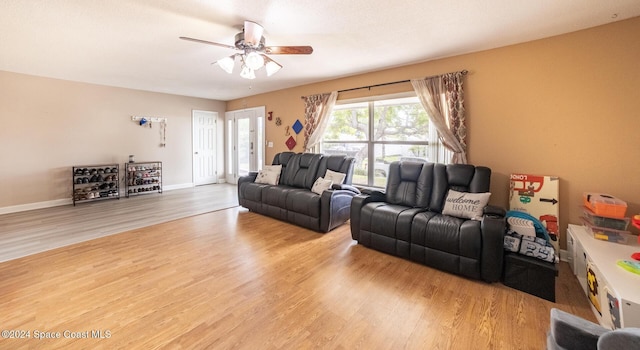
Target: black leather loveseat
x=407, y=218
x=292, y=200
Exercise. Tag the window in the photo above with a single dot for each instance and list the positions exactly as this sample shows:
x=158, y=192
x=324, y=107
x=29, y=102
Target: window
x=380, y=131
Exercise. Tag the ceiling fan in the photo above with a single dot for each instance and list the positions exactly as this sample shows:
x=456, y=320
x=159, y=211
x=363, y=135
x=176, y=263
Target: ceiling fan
x=254, y=53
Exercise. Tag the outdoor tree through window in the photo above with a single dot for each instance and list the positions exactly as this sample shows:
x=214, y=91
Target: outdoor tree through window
x=378, y=132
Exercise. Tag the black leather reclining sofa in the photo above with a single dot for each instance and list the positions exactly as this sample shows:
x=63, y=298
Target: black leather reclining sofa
x=406, y=220
x=293, y=201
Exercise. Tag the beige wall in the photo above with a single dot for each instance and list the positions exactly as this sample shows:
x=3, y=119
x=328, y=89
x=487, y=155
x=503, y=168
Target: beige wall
x=49, y=125
x=566, y=106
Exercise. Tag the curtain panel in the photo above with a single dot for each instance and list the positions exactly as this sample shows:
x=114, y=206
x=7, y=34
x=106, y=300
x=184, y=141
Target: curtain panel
x=442, y=97
x=316, y=116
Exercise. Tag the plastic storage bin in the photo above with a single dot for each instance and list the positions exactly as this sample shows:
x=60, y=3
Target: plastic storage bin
x=608, y=234
x=604, y=221
x=605, y=205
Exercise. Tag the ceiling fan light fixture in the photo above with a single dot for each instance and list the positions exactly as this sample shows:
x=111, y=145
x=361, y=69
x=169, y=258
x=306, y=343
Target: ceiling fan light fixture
x=272, y=67
x=252, y=33
x=254, y=60
x=251, y=49
x=227, y=63
x=247, y=73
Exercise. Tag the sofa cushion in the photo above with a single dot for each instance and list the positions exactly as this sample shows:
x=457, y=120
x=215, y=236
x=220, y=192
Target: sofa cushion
x=337, y=163
x=304, y=202
x=388, y=227
x=301, y=170
x=447, y=243
x=276, y=195
x=465, y=205
x=448, y=234
x=252, y=191
x=459, y=177
x=408, y=184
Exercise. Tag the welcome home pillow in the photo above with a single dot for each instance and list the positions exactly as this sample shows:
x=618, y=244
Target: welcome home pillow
x=269, y=175
x=320, y=185
x=465, y=205
x=336, y=177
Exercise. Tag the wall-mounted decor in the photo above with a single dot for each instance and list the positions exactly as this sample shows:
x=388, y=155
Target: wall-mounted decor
x=148, y=122
x=297, y=126
x=278, y=121
x=291, y=143
x=270, y=116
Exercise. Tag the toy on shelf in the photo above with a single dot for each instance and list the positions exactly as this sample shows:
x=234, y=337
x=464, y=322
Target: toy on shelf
x=631, y=266
x=635, y=220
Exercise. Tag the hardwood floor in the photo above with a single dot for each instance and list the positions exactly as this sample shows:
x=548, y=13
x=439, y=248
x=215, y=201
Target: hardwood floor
x=35, y=231
x=236, y=279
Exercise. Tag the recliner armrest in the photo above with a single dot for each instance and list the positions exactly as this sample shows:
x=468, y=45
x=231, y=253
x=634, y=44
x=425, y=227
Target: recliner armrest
x=335, y=207
x=346, y=188
x=371, y=191
x=251, y=177
x=359, y=201
x=493, y=229
x=494, y=210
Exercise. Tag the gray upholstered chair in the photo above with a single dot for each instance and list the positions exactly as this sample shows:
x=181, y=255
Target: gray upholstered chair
x=568, y=331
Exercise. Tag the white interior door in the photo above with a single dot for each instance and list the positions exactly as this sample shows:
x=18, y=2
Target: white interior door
x=245, y=135
x=204, y=147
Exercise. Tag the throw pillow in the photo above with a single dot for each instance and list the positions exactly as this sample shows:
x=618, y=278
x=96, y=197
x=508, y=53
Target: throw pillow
x=465, y=205
x=320, y=185
x=267, y=177
x=336, y=177
x=273, y=168
x=270, y=174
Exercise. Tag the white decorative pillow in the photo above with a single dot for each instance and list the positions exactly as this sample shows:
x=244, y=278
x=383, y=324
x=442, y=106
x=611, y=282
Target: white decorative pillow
x=336, y=177
x=465, y=205
x=273, y=168
x=320, y=185
x=270, y=175
x=267, y=177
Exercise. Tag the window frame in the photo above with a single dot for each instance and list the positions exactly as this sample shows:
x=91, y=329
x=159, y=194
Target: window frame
x=371, y=144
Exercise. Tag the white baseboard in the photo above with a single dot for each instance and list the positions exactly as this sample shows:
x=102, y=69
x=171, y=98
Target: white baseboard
x=564, y=255
x=178, y=186
x=68, y=201
x=33, y=206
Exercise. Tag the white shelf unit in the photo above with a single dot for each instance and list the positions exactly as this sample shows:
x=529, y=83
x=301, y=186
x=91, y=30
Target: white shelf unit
x=616, y=298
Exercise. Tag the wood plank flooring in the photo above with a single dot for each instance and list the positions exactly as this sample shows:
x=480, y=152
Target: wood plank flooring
x=34, y=231
x=233, y=279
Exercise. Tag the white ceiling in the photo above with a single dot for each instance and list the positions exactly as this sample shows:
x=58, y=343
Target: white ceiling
x=134, y=43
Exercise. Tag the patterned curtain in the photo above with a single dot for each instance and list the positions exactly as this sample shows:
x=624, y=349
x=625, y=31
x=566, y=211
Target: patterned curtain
x=442, y=97
x=454, y=95
x=316, y=116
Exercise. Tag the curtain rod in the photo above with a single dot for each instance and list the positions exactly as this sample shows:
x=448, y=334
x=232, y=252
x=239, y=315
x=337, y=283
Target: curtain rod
x=464, y=72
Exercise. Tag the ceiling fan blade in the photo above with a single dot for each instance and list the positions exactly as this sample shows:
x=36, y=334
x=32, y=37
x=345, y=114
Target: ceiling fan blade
x=288, y=50
x=207, y=42
x=252, y=33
